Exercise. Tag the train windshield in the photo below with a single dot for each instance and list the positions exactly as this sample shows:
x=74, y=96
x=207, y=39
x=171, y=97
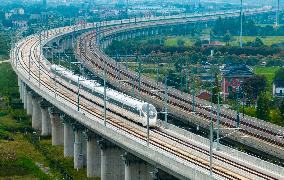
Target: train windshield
x=152, y=110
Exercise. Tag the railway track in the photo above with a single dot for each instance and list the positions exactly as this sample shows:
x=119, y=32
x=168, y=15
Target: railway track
x=68, y=93
x=94, y=60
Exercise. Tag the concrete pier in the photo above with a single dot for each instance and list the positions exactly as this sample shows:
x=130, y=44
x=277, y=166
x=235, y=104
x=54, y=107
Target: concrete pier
x=56, y=127
x=23, y=91
x=25, y=96
x=78, y=149
x=36, y=116
x=68, y=137
x=46, y=122
x=29, y=103
x=20, y=87
x=112, y=166
x=136, y=169
x=93, y=156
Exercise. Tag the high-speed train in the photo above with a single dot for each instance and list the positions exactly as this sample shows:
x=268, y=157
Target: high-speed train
x=118, y=102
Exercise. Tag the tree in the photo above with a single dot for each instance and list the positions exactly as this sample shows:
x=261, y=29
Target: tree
x=227, y=38
x=279, y=76
x=257, y=42
x=180, y=43
x=262, y=110
x=253, y=86
x=198, y=43
x=216, y=90
x=275, y=117
x=282, y=108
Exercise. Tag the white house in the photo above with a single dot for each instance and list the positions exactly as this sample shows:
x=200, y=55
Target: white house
x=278, y=89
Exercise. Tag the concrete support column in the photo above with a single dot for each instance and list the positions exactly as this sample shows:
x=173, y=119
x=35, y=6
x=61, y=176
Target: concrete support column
x=56, y=127
x=25, y=96
x=20, y=87
x=46, y=122
x=23, y=91
x=29, y=103
x=112, y=166
x=68, y=137
x=36, y=116
x=137, y=169
x=93, y=156
x=78, y=149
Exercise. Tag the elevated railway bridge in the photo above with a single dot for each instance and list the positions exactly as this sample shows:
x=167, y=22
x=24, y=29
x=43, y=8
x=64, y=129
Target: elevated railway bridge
x=109, y=145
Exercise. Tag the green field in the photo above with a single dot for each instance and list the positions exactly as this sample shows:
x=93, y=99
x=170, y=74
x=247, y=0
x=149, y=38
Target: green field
x=268, y=40
x=173, y=41
x=22, y=155
x=269, y=73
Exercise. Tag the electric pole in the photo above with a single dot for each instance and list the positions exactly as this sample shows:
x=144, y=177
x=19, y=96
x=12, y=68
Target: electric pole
x=277, y=14
x=241, y=28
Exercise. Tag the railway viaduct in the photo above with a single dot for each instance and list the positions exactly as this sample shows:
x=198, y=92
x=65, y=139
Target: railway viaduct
x=117, y=149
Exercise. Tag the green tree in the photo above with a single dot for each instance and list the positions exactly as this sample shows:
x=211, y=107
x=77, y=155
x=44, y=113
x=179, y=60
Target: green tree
x=180, y=42
x=227, y=38
x=253, y=86
x=257, y=42
x=276, y=117
x=216, y=90
x=251, y=111
x=262, y=110
x=198, y=43
x=279, y=76
x=281, y=108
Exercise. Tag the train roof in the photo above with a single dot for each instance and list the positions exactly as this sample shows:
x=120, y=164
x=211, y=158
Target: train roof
x=113, y=94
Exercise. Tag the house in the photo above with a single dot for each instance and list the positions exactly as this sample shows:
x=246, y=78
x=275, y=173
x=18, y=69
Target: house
x=205, y=95
x=278, y=88
x=21, y=24
x=232, y=77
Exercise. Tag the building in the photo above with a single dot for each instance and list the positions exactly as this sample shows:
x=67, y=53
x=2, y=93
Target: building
x=232, y=77
x=20, y=24
x=278, y=88
x=205, y=95
x=21, y=11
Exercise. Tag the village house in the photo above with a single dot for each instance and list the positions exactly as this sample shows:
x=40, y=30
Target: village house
x=232, y=77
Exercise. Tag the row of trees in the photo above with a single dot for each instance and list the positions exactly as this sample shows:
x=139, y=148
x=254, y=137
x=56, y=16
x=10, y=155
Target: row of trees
x=250, y=28
x=154, y=47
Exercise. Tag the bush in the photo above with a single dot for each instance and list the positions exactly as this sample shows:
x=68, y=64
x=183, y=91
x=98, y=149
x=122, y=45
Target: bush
x=251, y=111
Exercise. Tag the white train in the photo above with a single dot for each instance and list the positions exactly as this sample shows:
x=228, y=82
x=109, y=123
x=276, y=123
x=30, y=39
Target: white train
x=122, y=104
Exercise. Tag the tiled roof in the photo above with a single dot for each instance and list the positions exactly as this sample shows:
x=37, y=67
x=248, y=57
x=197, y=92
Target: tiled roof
x=237, y=70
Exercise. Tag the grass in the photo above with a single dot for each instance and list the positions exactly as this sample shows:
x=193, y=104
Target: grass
x=66, y=163
x=268, y=72
x=20, y=158
x=267, y=40
x=173, y=41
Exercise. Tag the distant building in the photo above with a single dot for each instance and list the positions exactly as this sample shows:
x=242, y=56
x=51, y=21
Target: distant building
x=205, y=95
x=21, y=11
x=213, y=44
x=20, y=24
x=206, y=77
x=8, y=15
x=35, y=17
x=278, y=88
x=232, y=77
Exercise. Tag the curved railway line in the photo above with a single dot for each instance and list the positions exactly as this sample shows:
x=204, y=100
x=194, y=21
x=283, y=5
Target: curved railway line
x=67, y=92
x=94, y=59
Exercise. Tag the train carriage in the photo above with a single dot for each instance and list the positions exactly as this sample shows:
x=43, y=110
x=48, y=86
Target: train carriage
x=118, y=102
